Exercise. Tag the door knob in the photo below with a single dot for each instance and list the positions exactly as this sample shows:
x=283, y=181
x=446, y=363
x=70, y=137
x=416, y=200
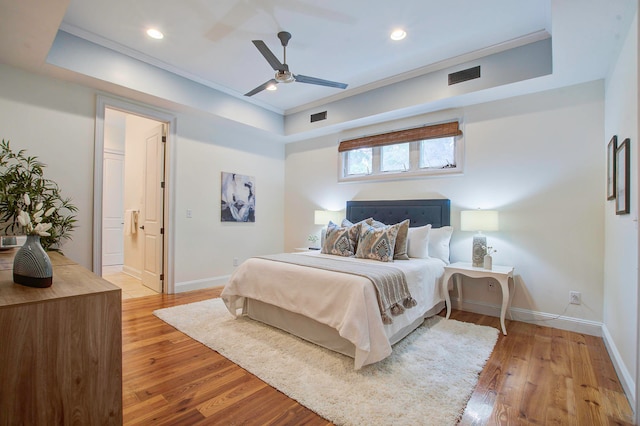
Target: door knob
x=142, y=227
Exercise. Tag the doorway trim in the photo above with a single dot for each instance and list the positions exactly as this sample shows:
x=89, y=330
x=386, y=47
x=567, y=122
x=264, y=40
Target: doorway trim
x=102, y=103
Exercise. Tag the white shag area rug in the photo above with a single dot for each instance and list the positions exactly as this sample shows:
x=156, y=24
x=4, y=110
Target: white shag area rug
x=427, y=380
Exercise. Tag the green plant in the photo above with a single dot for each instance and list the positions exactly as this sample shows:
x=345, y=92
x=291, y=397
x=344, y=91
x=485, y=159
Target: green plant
x=26, y=193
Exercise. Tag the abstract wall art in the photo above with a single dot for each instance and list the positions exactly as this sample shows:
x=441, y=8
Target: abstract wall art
x=238, y=202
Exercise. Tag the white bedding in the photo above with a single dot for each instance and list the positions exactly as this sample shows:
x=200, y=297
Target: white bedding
x=342, y=301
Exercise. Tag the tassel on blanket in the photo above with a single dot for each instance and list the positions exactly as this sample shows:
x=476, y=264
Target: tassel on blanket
x=409, y=302
x=396, y=310
x=386, y=319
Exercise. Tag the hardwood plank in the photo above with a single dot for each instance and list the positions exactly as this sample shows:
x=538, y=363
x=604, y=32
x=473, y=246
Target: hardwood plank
x=536, y=375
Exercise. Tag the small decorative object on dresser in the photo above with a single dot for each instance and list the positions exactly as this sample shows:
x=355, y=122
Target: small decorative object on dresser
x=7, y=243
x=479, y=220
x=31, y=265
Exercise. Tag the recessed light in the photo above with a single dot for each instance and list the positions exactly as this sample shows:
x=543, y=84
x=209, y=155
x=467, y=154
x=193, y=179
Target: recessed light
x=398, y=34
x=272, y=87
x=153, y=33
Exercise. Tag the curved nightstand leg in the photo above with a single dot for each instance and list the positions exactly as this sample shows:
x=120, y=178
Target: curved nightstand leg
x=445, y=289
x=504, y=284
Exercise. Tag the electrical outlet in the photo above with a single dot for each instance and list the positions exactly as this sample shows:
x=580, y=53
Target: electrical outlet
x=491, y=286
x=235, y=261
x=189, y=214
x=575, y=297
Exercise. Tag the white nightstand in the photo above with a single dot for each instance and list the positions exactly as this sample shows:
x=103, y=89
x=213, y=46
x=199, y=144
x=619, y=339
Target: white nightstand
x=500, y=273
x=306, y=249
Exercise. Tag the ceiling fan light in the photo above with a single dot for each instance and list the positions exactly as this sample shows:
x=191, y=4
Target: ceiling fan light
x=398, y=34
x=272, y=87
x=156, y=34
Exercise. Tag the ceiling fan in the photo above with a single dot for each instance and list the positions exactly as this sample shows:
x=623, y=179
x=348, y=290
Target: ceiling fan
x=283, y=75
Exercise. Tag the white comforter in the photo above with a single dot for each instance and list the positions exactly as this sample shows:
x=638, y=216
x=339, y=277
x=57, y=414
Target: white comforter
x=342, y=301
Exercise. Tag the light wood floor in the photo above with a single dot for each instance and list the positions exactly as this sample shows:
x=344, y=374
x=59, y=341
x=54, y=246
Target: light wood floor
x=535, y=376
x=130, y=286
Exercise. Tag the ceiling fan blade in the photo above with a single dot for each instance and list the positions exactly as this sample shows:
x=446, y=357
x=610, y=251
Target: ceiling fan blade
x=269, y=56
x=261, y=87
x=320, y=82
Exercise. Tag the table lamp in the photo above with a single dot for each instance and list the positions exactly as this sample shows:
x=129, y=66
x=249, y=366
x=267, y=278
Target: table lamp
x=479, y=220
x=322, y=217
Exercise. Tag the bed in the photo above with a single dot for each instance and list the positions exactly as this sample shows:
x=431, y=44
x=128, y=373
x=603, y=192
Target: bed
x=341, y=311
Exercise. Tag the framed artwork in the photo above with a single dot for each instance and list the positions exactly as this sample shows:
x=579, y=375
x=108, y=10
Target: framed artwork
x=238, y=198
x=611, y=168
x=623, y=163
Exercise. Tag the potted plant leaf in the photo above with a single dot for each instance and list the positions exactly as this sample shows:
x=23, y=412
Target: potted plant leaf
x=31, y=204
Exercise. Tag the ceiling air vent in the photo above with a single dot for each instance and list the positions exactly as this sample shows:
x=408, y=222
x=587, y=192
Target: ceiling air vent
x=464, y=75
x=319, y=116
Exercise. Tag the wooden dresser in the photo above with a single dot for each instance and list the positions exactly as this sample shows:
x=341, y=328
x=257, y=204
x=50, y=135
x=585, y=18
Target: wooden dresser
x=60, y=348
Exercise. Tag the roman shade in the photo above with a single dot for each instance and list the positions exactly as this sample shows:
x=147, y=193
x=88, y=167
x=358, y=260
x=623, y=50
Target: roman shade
x=434, y=131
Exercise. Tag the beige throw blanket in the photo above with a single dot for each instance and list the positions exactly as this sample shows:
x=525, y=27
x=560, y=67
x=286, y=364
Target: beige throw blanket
x=390, y=283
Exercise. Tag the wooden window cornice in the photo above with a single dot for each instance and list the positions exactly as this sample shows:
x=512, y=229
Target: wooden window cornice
x=434, y=131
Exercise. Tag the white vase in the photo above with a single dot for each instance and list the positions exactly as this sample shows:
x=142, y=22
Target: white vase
x=488, y=261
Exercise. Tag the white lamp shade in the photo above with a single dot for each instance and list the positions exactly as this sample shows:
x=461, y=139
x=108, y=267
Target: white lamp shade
x=479, y=220
x=322, y=217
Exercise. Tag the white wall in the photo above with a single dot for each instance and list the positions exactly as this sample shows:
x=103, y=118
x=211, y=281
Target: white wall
x=205, y=246
x=621, y=231
x=55, y=121
x=535, y=158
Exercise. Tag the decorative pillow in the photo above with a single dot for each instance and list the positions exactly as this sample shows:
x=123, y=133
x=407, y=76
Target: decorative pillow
x=439, y=239
x=377, y=224
x=354, y=230
x=347, y=222
x=418, y=242
x=400, y=249
x=377, y=243
x=337, y=241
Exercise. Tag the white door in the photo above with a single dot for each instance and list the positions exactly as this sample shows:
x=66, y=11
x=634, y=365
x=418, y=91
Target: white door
x=112, y=211
x=151, y=225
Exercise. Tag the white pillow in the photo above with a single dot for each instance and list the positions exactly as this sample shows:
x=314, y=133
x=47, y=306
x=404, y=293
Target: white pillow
x=418, y=245
x=439, y=239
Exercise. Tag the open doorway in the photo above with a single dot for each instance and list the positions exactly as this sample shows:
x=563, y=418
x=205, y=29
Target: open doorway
x=132, y=250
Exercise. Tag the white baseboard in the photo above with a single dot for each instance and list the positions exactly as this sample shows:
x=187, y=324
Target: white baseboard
x=135, y=273
x=626, y=380
x=202, y=283
x=592, y=328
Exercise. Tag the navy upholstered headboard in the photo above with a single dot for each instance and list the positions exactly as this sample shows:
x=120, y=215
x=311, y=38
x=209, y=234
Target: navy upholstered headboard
x=419, y=212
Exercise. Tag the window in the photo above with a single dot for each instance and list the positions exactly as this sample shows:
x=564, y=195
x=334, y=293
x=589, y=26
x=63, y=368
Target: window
x=360, y=161
x=438, y=153
x=395, y=158
x=426, y=151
